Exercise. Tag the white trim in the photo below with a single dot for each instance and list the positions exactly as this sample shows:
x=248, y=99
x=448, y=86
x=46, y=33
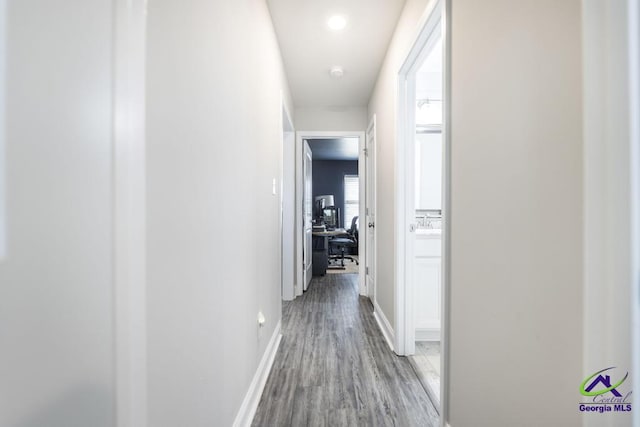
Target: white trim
x=300, y=136
x=247, y=411
x=384, y=325
x=445, y=370
x=363, y=234
x=405, y=204
x=287, y=203
x=298, y=224
x=427, y=334
x=417, y=39
x=129, y=204
x=307, y=217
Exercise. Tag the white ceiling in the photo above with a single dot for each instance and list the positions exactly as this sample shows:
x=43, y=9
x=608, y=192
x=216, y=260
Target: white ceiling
x=309, y=48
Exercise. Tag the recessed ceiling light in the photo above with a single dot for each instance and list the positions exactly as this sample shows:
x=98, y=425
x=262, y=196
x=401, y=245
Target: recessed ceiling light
x=337, y=22
x=336, y=72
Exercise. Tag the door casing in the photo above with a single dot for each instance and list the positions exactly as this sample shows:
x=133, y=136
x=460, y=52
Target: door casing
x=307, y=214
x=300, y=137
x=368, y=225
x=287, y=203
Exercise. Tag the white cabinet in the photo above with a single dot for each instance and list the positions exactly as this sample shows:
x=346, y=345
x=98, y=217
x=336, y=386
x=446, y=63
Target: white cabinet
x=428, y=189
x=427, y=287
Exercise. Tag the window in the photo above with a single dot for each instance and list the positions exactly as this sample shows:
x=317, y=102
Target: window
x=351, y=199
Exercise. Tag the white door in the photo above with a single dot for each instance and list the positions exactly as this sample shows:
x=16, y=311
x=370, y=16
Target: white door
x=369, y=225
x=307, y=215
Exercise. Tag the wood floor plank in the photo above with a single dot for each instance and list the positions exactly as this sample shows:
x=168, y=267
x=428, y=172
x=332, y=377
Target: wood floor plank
x=342, y=418
x=279, y=392
x=309, y=407
x=334, y=367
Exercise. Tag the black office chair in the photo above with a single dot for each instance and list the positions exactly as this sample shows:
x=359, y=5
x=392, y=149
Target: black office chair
x=343, y=242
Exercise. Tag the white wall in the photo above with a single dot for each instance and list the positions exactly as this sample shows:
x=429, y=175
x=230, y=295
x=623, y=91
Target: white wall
x=383, y=105
x=516, y=255
x=331, y=118
x=213, y=136
x=56, y=281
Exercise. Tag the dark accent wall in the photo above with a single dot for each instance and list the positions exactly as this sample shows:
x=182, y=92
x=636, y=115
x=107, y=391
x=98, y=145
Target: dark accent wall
x=328, y=178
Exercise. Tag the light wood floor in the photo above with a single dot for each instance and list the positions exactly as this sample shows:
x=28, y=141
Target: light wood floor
x=334, y=368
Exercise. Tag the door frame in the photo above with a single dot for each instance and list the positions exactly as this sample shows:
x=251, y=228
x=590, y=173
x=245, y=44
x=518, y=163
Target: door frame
x=370, y=293
x=300, y=136
x=437, y=16
x=307, y=214
x=287, y=203
x=405, y=159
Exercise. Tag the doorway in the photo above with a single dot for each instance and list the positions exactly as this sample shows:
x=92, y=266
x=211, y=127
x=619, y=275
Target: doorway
x=422, y=209
x=307, y=205
x=336, y=202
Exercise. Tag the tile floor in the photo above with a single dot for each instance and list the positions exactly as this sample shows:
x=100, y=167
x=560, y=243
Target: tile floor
x=426, y=362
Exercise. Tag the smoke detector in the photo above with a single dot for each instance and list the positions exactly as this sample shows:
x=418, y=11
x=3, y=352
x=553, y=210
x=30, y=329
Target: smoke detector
x=336, y=72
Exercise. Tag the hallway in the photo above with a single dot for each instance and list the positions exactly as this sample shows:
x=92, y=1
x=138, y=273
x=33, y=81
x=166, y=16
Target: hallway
x=334, y=367
x=152, y=212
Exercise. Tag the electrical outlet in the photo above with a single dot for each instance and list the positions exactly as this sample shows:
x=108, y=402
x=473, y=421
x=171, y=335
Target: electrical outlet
x=273, y=188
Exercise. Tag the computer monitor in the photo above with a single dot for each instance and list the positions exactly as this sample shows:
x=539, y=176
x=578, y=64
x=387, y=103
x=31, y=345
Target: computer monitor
x=331, y=217
x=322, y=202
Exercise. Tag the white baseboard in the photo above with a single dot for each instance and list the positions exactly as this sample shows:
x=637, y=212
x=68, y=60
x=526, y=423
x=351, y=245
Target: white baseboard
x=252, y=398
x=384, y=325
x=427, y=334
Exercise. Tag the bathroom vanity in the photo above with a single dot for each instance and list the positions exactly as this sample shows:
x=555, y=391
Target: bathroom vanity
x=427, y=289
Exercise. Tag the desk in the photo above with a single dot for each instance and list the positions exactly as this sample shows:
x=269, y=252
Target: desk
x=331, y=233
x=321, y=249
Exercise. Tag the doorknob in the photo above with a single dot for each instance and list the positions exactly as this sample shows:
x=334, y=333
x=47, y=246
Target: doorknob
x=371, y=225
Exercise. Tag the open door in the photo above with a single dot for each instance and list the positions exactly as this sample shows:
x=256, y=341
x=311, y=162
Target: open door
x=370, y=211
x=307, y=214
